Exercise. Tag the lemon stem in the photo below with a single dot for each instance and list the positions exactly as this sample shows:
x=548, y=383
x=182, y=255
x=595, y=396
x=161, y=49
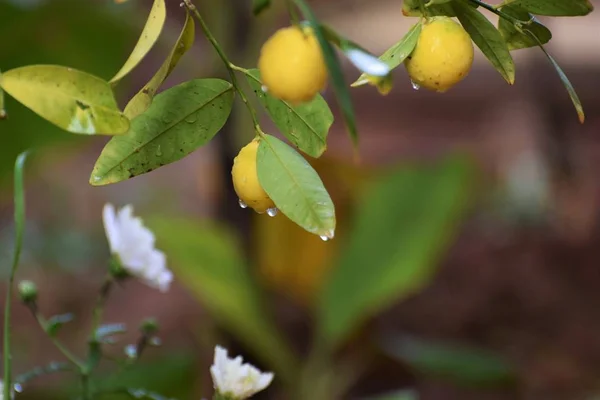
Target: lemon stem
x=230, y=67
x=499, y=13
x=293, y=13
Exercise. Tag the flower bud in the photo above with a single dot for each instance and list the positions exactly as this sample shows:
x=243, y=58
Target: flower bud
x=149, y=326
x=28, y=291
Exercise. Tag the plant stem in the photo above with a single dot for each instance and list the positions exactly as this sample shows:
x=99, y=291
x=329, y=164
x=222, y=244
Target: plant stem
x=99, y=308
x=499, y=13
x=3, y=114
x=19, y=218
x=85, y=386
x=230, y=67
x=57, y=343
x=292, y=12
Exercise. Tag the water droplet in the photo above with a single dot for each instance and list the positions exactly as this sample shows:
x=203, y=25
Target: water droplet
x=264, y=88
x=271, y=212
x=18, y=387
x=415, y=85
x=158, y=151
x=324, y=238
x=328, y=236
x=155, y=341
x=131, y=351
x=242, y=204
x=190, y=119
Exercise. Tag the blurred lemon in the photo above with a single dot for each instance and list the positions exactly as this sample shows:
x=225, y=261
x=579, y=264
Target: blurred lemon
x=291, y=65
x=443, y=55
x=245, y=179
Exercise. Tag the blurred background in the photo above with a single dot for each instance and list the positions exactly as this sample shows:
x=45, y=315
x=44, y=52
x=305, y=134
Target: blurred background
x=466, y=262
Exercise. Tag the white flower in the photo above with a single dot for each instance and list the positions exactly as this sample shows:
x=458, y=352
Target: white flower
x=133, y=244
x=232, y=378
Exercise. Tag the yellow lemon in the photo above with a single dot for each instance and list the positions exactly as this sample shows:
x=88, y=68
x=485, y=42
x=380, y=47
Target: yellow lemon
x=443, y=55
x=245, y=179
x=291, y=65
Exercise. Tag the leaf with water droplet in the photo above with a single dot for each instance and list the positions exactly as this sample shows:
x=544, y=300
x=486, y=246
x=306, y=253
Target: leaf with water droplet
x=161, y=135
x=141, y=101
x=305, y=125
x=294, y=186
x=272, y=212
x=151, y=32
x=70, y=99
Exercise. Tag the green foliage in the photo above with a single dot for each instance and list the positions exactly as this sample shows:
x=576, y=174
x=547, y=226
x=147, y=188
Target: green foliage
x=149, y=36
x=458, y=364
x=556, y=8
x=305, y=125
x=400, y=231
x=515, y=36
x=399, y=395
x=180, y=120
x=295, y=187
x=259, y=6
x=142, y=100
x=487, y=38
x=335, y=71
x=72, y=100
x=55, y=323
x=207, y=260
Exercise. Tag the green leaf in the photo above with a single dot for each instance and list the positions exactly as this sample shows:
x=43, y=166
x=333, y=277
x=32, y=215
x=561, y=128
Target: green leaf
x=180, y=120
x=401, y=229
x=516, y=39
x=398, y=395
x=335, y=71
x=141, y=101
x=395, y=55
x=487, y=38
x=149, y=36
x=556, y=8
x=457, y=364
x=305, y=125
x=56, y=322
x=207, y=260
x=567, y=83
x=295, y=187
x=72, y=100
x=259, y=6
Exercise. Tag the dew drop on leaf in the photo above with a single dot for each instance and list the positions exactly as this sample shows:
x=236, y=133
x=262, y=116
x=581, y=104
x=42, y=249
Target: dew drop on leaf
x=158, y=151
x=271, y=212
x=324, y=238
x=242, y=204
x=264, y=88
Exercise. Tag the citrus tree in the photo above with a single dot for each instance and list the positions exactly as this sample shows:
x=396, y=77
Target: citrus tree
x=270, y=175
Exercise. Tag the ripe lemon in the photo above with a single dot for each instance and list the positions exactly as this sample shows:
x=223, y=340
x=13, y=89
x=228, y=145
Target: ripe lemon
x=291, y=65
x=245, y=179
x=443, y=55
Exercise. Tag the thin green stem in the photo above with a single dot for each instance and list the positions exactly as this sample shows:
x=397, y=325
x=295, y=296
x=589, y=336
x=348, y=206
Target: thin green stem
x=499, y=13
x=57, y=343
x=3, y=114
x=99, y=308
x=230, y=67
x=19, y=218
x=293, y=13
x=85, y=387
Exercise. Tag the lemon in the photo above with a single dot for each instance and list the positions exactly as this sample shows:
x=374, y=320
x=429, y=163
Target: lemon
x=245, y=179
x=291, y=65
x=443, y=55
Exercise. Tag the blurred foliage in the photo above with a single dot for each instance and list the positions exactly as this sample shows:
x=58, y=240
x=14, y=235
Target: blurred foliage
x=90, y=36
